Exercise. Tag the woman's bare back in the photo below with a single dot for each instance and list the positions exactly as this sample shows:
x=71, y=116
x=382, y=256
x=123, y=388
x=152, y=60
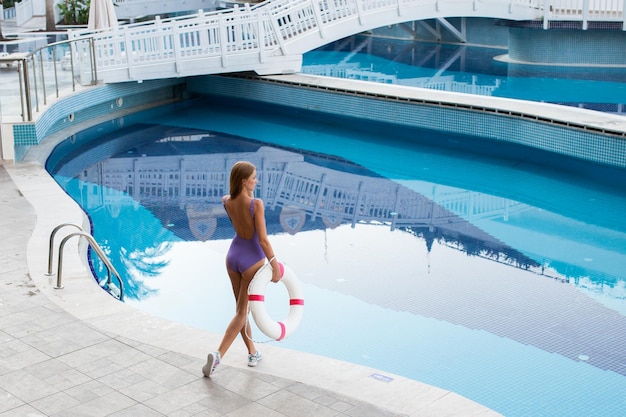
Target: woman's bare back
x=239, y=211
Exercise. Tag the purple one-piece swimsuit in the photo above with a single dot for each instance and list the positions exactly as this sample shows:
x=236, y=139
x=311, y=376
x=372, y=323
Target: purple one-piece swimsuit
x=243, y=253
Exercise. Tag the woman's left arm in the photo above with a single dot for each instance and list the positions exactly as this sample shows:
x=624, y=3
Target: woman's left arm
x=261, y=229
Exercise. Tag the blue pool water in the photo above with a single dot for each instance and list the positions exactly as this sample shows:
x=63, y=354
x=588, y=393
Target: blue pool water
x=489, y=275
x=468, y=69
x=495, y=286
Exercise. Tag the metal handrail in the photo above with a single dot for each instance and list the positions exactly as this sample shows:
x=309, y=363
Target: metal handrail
x=94, y=245
x=31, y=69
x=51, y=244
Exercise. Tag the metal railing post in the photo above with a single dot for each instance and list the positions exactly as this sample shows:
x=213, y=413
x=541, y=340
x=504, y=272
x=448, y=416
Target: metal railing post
x=36, y=89
x=43, y=79
x=20, y=69
x=29, y=109
x=72, y=66
x=56, y=77
x=94, y=69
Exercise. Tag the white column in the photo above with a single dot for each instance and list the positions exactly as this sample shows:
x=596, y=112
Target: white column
x=7, y=150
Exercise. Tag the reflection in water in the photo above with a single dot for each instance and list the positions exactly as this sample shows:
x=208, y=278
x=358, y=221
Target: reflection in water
x=131, y=236
x=184, y=191
x=180, y=179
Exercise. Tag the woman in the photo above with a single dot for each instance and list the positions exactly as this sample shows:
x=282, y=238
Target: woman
x=248, y=251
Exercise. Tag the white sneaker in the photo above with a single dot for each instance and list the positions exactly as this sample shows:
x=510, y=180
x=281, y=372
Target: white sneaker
x=254, y=358
x=211, y=363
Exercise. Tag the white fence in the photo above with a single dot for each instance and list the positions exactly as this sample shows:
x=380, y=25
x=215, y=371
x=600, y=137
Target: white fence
x=7, y=13
x=27, y=9
x=271, y=37
x=268, y=38
x=585, y=11
x=23, y=12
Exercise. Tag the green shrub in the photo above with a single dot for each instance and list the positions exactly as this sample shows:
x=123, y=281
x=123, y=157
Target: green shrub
x=75, y=12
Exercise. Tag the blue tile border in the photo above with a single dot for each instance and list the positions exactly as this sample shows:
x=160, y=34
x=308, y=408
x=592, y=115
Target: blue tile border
x=565, y=138
x=93, y=103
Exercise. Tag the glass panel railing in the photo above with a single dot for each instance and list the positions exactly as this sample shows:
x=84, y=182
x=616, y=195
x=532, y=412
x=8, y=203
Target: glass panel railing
x=29, y=81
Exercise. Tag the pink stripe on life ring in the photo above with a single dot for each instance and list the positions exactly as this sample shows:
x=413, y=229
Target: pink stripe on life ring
x=296, y=302
x=256, y=297
x=283, y=331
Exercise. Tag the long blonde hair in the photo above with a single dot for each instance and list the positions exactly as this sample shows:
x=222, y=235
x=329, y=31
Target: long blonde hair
x=240, y=171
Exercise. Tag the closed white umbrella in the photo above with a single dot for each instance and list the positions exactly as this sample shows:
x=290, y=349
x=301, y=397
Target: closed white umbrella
x=101, y=15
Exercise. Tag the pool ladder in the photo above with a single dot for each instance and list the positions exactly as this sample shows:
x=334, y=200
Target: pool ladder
x=119, y=294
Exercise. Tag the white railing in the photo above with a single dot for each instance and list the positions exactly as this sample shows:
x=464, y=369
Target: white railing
x=569, y=9
x=271, y=37
x=7, y=13
x=23, y=12
x=268, y=38
x=584, y=11
x=27, y=9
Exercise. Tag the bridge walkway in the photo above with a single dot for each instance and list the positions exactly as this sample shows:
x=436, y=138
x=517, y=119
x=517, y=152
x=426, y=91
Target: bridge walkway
x=271, y=37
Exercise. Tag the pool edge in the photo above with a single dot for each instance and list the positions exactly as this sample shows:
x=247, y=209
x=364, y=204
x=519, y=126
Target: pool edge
x=82, y=298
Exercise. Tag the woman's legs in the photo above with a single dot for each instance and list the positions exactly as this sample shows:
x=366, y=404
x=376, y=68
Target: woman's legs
x=238, y=324
x=236, y=279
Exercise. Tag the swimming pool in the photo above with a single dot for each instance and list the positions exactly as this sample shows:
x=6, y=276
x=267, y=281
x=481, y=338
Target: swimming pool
x=490, y=276
x=468, y=69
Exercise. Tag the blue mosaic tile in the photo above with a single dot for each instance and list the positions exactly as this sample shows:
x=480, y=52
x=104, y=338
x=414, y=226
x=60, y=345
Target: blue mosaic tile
x=577, y=142
x=24, y=134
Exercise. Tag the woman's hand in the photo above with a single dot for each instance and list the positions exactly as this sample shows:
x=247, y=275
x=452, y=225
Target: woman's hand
x=276, y=273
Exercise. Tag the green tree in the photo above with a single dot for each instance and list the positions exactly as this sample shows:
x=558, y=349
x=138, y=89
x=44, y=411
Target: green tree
x=75, y=12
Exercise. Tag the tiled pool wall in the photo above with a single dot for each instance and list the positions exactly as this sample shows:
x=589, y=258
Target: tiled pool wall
x=97, y=102
x=568, y=139
x=603, y=43
x=572, y=139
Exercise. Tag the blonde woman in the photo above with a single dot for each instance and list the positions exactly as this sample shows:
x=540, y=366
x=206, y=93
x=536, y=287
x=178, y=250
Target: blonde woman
x=248, y=251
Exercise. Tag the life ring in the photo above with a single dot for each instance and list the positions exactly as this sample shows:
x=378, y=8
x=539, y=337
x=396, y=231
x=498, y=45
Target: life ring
x=256, y=300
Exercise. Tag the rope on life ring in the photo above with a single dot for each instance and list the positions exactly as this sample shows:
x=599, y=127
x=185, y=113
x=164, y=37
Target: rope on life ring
x=256, y=300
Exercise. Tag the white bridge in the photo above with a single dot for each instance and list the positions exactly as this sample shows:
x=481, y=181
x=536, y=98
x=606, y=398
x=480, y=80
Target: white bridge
x=271, y=37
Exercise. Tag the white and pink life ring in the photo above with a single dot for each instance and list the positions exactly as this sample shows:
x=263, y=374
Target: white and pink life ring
x=277, y=330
